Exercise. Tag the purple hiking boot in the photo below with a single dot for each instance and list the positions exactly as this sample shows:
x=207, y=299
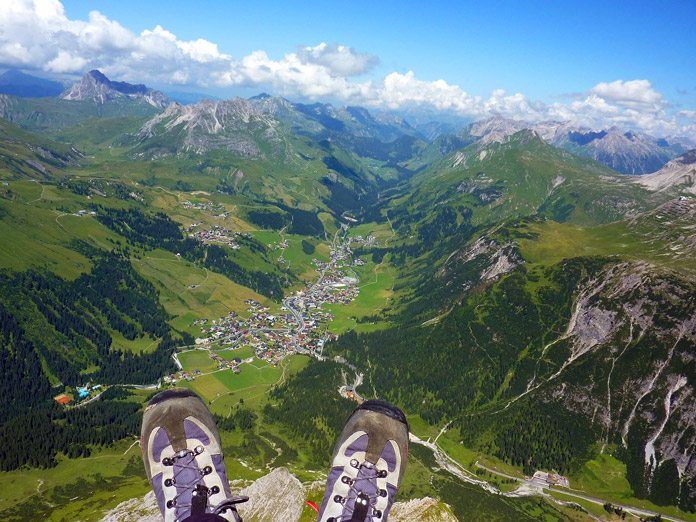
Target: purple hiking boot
x=367, y=466
x=183, y=458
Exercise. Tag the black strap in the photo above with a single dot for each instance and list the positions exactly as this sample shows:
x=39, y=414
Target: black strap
x=199, y=500
x=362, y=504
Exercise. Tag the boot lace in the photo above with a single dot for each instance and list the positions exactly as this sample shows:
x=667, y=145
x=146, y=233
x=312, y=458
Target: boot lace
x=364, y=506
x=186, y=460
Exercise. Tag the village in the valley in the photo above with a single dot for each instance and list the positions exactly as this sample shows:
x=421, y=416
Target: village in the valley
x=301, y=326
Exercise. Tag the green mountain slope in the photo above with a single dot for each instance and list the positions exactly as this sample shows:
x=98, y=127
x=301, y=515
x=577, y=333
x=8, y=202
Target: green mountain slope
x=23, y=154
x=520, y=177
x=51, y=114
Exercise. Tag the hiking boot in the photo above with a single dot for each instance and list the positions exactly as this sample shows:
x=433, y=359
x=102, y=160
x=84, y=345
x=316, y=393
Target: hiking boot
x=183, y=458
x=367, y=466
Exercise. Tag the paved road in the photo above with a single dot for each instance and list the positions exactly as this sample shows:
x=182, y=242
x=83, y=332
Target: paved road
x=629, y=509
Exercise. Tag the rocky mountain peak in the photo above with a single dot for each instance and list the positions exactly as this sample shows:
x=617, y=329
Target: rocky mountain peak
x=96, y=86
x=236, y=125
x=497, y=124
x=679, y=174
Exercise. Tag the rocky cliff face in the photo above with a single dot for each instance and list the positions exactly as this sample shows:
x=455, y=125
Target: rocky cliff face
x=627, y=362
x=235, y=125
x=280, y=496
x=95, y=86
x=679, y=174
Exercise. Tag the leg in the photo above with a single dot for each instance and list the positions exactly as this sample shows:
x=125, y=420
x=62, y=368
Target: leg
x=183, y=460
x=367, y=466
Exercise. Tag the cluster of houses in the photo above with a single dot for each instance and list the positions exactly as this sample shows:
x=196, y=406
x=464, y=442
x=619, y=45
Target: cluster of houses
x=225, y=364
x=302, y=330
x=215, y=234
x=337, y=289
x=279, y=246
x=271, y=335
x=369, y=240
x=206, y=205
x=180, y=376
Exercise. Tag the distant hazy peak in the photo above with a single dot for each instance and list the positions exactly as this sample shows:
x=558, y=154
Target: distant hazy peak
x=96, y=86
x=17, y=83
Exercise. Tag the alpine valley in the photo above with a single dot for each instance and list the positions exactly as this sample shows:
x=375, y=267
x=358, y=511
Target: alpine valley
x=525, y=292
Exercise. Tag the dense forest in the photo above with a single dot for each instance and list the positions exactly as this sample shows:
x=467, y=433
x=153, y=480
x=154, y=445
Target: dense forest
x=463, y=365
x=41, y=315
x=308, y=412
x=35, y=437
x=297, y=221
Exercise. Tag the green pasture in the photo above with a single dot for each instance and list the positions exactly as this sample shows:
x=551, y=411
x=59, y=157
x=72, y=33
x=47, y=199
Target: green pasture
x=554, y=242
x=32, y=236
x=75, y=489
x=253, y=381
x=138, y=345
x=382, y=232
x=212, y=296
x=376, y=293
x=243, y=352
x=197, y=360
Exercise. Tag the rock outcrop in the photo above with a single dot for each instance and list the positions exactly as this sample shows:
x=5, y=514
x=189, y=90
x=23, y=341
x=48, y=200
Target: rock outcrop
x=279, y=496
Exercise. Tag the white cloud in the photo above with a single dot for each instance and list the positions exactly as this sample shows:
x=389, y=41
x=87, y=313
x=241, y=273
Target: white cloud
x=339, y=59
x=66, y=62
x=634, y=94
x=37, y=34
x=689, y=115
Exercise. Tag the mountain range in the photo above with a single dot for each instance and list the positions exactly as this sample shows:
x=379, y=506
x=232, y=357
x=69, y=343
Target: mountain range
x=626, y=152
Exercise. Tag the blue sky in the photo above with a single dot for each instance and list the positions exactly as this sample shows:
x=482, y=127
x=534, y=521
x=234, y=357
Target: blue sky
x=601, y=63
x=539, y=48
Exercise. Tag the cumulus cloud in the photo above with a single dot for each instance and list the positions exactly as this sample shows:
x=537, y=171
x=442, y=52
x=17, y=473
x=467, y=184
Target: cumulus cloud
x=634, y=94
x=37, y=34
x=339, y=59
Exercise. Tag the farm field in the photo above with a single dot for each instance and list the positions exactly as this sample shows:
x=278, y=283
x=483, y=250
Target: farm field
x=254, y=379
x=376, y=290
